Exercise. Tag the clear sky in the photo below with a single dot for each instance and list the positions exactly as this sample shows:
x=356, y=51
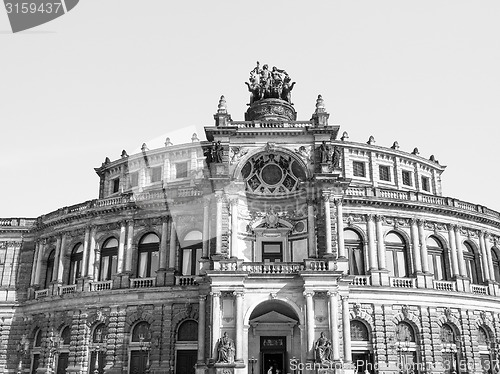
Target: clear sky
x=113, y=74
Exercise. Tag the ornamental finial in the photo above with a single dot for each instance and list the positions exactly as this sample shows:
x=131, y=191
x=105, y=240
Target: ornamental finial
x=222, y=108
x=320, y=104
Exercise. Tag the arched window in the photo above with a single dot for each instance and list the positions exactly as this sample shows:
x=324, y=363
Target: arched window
x=485, y=349
x=436, y=258
x=148, y=263
x=109, y=259
x=482, y=336
x=141, y=332
x=99, y=333
x=188, y=331
x=354, y=245
x=63, y=351
x=191, y=248
x=37, y=342
x=37, y=346
x=50, y=269
x=75, y=266
x=496, y=263
x=66, y=336
x=406, y=347
x=396, y=255
x=472, y=263
x=359, y=332
x=404, y=332
x=450, y=350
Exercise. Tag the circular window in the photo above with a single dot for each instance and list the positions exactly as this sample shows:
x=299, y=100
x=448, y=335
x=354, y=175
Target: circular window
x=272, y=174
x=299, y=227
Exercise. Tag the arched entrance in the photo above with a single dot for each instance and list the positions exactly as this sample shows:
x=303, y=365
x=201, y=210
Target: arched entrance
x=273, y=338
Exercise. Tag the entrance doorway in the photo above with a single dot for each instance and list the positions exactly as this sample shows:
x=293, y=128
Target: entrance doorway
x=362, y=361
x=186, y=361
x=273, y=350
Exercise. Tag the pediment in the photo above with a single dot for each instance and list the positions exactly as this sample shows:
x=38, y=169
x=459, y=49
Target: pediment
x=273, y=317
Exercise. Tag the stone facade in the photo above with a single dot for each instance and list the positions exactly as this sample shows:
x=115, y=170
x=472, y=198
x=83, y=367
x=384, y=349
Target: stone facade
x=272, y=246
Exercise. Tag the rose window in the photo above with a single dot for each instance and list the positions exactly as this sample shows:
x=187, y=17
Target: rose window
x=272, y=173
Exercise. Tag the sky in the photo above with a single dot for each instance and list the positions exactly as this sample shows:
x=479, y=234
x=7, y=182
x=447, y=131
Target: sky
x=113, y=74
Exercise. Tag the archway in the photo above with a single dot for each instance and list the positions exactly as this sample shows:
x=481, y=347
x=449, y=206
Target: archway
x=274, y=337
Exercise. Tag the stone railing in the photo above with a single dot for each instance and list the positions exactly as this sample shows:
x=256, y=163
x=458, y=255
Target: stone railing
x=361, y=280
x=186, y=280
x=142, y=282
x=317, y=265
x=270, y=124
x=444, y=285
x=101, y=286
x=41, y=293
x=14, y=222
x=479, y=289
x=65, y=290
x=402, y=282
x=272, y=267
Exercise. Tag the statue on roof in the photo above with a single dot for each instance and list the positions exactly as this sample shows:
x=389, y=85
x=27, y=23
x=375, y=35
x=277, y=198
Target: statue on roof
x=269, y=84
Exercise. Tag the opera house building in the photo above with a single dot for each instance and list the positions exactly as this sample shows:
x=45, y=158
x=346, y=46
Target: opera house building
x=274, y=246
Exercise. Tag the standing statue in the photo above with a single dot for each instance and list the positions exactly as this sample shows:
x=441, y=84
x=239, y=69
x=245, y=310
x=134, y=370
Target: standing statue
x=337, y=155
x=323, y=349
x=265, y=81
x=287, y=89
x=225, y=350
x=325, y=153
x=217, y=151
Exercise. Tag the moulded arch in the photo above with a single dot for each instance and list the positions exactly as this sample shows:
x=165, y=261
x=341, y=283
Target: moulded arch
x=368, y=328
x=184, y=233
x=262, y=220
x=409, y=318
x=359, y=230
x=366, y=319
x=106, y=241
x=405, y=239
x=285, y=301
x=452, y=321
x=181, y=324
x=277, y=149
x=142, y=232
x=439, y=239
x=469, y=243
x=137, y=317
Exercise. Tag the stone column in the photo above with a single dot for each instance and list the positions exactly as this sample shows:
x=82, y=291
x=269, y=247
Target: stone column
x=38, y=272
x=346, y=329
x=310, y=323
x=380, y=243
x=328, y=224
x=372, y=250
x=460, y=252
x=163, y=245
x=121, y=248
x=417, y=261
x=423, y=246
x=55, y=269
x=334, y=324
x=490, y=258
x=234, y=228
x=216, y=313
x=60, y=268
x=130, y=248
x=311, y=237
x=173, y=246
x=484, y=257
x=340, y=229
x=92, y=249
x=239, y=325
x=206, y=238
x=86, y=245
x=218, y=224
x=201, y=329
x=35, y=263
x=453, y=251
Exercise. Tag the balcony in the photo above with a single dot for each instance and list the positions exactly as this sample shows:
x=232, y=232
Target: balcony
x=402, y=282
x=101, y=286
x=65, y=290
x=441, y=285
x=361, y=281
x=272, y=267
x=186, y=280
x=142, y=282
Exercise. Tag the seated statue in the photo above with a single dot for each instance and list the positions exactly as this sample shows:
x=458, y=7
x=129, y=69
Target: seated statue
x=225, y=350
x=323, y=349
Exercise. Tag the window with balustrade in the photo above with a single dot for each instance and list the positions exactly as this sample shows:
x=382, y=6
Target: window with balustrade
x=98, y=349
x=355, y=252
x=75, y=266
x=149, y=253
x=396, y=255
x=495, y=257
x=438, y=264
x=109, y=259
x=472, y=263
x=49, y=271
x=191, y=251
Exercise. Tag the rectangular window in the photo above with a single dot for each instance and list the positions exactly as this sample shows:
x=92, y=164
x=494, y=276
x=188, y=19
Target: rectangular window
x=407, y=178
x=116, y=185
x=134, y=179
x=385, y=173
x=156, y=174
x=272, y=252
x=425, y=184
x=358, y=169
x=181, y=170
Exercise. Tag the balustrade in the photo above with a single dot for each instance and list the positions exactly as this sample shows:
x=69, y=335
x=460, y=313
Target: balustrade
x=361, y=280
x=403, y=282
x=273, y=268
x=142, y=282
x=65, y=290
x=101, y=286
x=186, y=280
x=479, y=289
x=444, y=285
x=41, y=294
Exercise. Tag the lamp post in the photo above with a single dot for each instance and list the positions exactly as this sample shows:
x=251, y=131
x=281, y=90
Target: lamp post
x=252, y=361
x=400, y=348
x=54, y=342
x=145, y=347
x=99, y=348
x=452, y=350
x=22, y=350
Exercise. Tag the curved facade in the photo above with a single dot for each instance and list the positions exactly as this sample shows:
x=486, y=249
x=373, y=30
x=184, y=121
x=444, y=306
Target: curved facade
x=305, y=251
